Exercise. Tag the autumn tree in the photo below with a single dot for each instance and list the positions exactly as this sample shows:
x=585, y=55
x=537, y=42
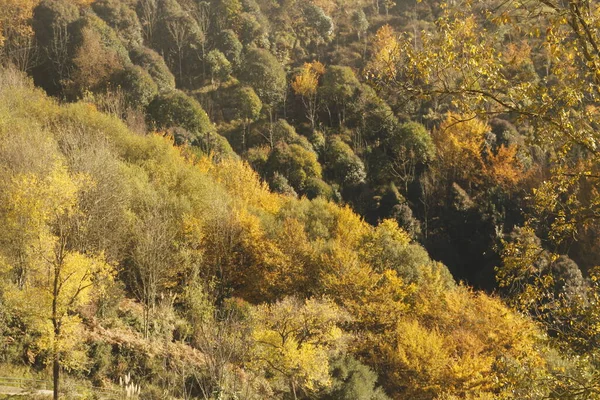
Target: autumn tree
x=385, y=55
x=16, y=33
x=305, y=84
x=293, y=341
x=459, y=146
x=54, y=272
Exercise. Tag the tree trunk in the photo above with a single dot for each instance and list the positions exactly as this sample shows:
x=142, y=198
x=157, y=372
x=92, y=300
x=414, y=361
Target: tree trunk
x=55, y=375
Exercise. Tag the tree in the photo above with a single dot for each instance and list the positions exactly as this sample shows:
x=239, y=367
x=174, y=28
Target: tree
x=385, y=56
x=178, y=109
x=51, y=21
x=229, y=44
x=263, y=72
x=226, y=13
x=123, y=19
x=147, y=11
x=353, y=380
x=155, y=65
x=248, y=108
x=94, y=62
x=319, y=22
x=294, y=162
x=180, y=30
x=409, y=147
x=342, y=165
x=338, y=88
x=219, y=66
x=360, y=22
x=459, y=146
x=56, y=279
x=293, y=341
x=16, y=35
x=305, y=84
x=538, y=282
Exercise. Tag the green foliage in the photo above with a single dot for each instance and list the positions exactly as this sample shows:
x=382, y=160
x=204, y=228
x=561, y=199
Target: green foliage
x=121, y=17
x=179, y=109
x=51, y=24
x=263, y=72
x=229, y=44
x=138, y=86
x=360, y=22
x=295, y=163
x=339, y=85
x=343, y=166
x=248, y=104
x=353, y=380
x=155, y=65
x=218, y=65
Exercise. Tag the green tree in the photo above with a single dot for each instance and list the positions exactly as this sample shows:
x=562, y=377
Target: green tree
x=51, y=21
x=248, y=107
x=218, y=65
x=263, y=72
x=155, y=65
x=352, y=380
x=229, y=44
x=360, y=22
x=178, y=109
x=338, y=88
x=341, y=164
x=409, y=147
x=122, y=18
x=294, y=162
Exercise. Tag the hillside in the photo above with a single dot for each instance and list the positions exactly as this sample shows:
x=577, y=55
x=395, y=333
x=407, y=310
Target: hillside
x=302, y=199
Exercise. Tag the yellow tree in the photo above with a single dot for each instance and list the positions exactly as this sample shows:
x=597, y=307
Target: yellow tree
x=16, y=34
x=459, y=145
x=504, y=168
x=385, y=54
x=50, y=279
x=305, y=84
x=294, y=340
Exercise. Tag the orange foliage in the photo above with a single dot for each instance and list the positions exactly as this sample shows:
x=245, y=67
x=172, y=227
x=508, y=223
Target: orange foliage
x=503, y=167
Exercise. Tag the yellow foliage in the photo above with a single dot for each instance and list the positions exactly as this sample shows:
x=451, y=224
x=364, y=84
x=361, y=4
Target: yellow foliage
x=48, y=283
x=305, y=83
x=14, y=18
x=504, y=168
x=294, y=340
x=459, y=143
x=386, y=54
x=458, y=343
x=243, y=183
x=268, y=272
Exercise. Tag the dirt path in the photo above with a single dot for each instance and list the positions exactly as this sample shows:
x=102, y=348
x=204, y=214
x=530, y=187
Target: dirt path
x=16, y=391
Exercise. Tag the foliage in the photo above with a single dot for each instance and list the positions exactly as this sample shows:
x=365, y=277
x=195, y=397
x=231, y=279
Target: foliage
x=178, y=109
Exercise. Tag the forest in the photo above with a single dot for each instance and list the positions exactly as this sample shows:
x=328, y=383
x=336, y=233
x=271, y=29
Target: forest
x=300, y=199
